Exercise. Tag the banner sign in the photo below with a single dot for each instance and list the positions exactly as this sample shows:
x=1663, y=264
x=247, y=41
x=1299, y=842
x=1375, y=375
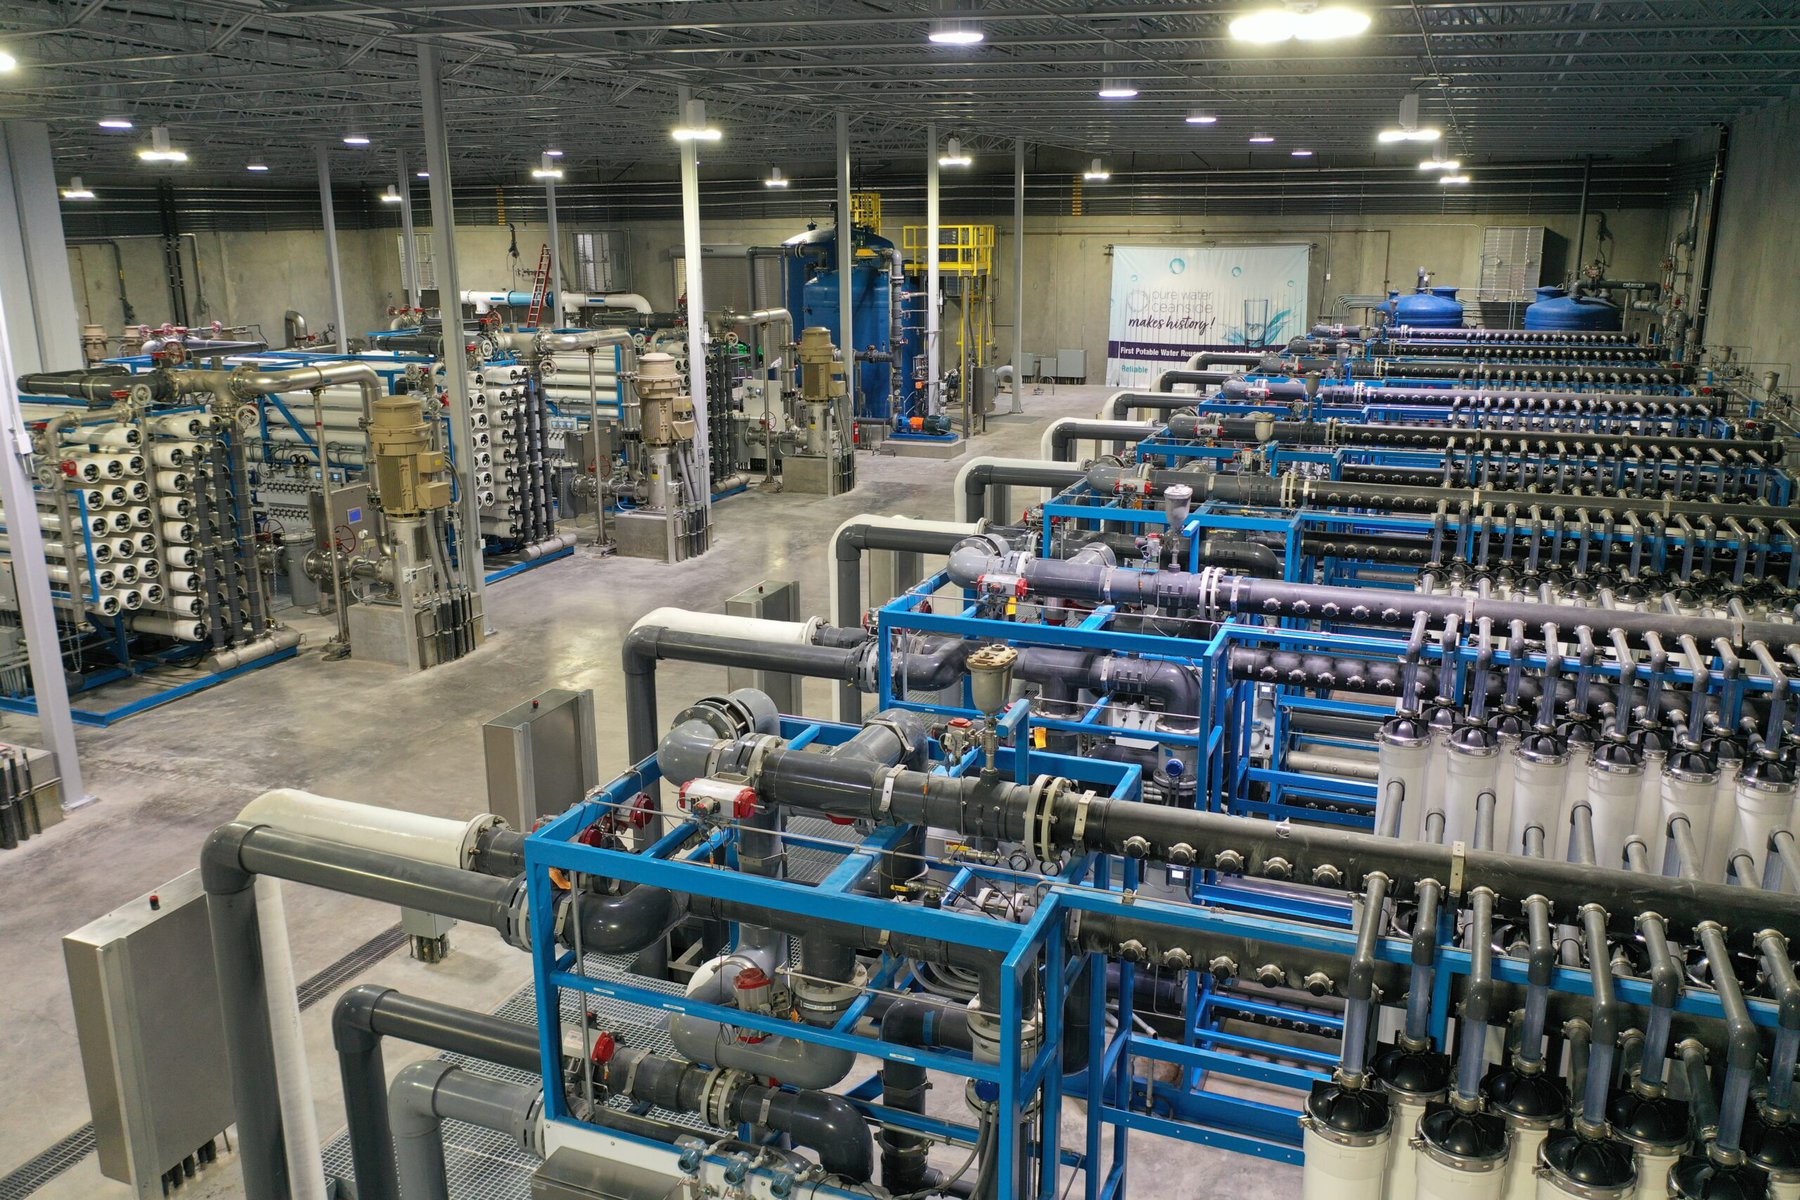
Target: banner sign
x=1171, y=302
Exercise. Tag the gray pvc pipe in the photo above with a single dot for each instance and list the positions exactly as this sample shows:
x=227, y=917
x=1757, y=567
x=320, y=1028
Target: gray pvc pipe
x=424, y=1094
x=794, y=1062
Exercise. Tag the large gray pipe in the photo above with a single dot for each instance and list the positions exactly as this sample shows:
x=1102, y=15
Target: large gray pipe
x=1437, y=437
x=979, y=477
x=232, y=858
x=426, y=1094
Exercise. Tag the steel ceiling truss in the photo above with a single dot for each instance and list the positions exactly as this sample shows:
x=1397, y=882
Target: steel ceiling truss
x=240, y=79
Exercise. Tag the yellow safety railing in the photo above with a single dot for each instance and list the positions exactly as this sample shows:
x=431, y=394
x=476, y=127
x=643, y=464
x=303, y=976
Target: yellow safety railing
x=865, y=210
x=962, y=249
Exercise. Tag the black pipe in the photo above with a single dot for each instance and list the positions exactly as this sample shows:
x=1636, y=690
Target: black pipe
x=1437, y=437
x=917, y=1023
x=96, y=385
x=978, y=477
x=1065, y=434
x=1714, y=199
x=1167, y=381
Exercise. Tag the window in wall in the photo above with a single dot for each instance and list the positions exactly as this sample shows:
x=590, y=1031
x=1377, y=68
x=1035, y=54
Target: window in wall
x=426, y=265
x=600, y=261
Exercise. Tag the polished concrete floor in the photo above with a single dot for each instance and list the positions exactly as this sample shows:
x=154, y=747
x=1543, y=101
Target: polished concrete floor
x=365, y=732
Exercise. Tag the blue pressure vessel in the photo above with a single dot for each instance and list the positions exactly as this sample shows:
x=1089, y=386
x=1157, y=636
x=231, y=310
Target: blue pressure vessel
x=1556, y=309
x=1426, y=308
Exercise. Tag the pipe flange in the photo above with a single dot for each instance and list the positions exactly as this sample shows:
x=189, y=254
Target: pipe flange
x=824, y=998
x=515, y=926
x=717, y=1093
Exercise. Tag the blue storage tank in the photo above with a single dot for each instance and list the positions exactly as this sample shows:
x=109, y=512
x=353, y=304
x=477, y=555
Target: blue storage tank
x=1426, y=308
x=1556, y=309
x=812, y=298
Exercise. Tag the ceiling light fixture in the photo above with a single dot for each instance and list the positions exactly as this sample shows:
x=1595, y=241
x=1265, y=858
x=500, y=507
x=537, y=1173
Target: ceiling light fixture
x=392, y=195
x=1408, y=129
x=258, y=167
x=1439, y=164
x=356, y=139
x=553, y=154
x=1096, y=172
x=1453, y=179
x=693, y=127
x=1116, y=87
x=1261, y=139
x=114, y=122
x=1301, y=153
x=547, y=168
x=1201, y=118
x=159, y=149
x=422, y=175
x=1307, y=22
x=951, y=31
x=953, y=155
x=75, y=190
x=776, y=179
x=7, y=62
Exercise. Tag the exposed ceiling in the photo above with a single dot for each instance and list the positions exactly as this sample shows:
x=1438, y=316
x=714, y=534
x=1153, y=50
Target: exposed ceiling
x=266, y=80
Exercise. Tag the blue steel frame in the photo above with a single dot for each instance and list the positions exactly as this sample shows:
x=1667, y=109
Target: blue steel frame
x=1119, y=1101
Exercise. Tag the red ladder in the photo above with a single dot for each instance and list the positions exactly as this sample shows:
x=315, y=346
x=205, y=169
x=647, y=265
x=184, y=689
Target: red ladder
x=539, y=287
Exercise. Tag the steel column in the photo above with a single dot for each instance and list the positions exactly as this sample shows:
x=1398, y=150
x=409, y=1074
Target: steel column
x=692, y=252
x=846, y=257
x=1018, y=355
x=934, y=353
x=332, y=265
x=449, y=288
x=553, y=286
x=409, y=258
x=31, y=579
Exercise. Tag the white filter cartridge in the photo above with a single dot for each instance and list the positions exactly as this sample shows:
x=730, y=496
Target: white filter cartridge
x=179, y=628
x=178, y=508
x=1648, y=824
x=107, y=605
x=1575, y=789
x=126, y=572
x=119, y=519
x=1612, y=795
x=173, y=481
x=170, y=455
x=141, y=517
x=1540, y=767
x=183, y=581
x=1689, y=789
x=1439, y=1180
x=177, y=531
x=130, y=599
x=1340, y=1168
x=181, y=556
x=153, y=594
x=1763, y=804
x=1473, y=769
x=128, y=465
x=183, y=604
x=1724, y=824
x=126, y=547
x=182, y=425
x=1653, y=1169
x=149, y=568
x=147, y=542
x=1403, y=1158
x=137, y=491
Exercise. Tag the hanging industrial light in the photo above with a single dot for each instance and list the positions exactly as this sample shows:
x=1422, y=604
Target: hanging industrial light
x=1301, y=153
x=1439, y=164
x=356, y=139
x=776, y=179
x=256, y=166
x=693, y=127
x=1096, y=172
x=1307, y=22
x=8, y=62
x=392, y=195
x=1114, y=86
x=1453, y=179
x=75, y=190
x=953, y=155
x=1261, y=139
x=114, y=122
x=1200, y=117
x=1409, y=129
x=954, y=31
x=547, y=168
x=159, y=149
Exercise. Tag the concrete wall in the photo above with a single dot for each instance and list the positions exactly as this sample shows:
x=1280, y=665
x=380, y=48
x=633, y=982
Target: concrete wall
x=255, y=277
x=242, y=279
x=1756, y=284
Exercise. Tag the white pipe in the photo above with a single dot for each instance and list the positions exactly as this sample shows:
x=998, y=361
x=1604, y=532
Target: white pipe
x=629, y=300
x=444, y=841
x=175, y=627
x=962, y=504
x=682, y=620
x=292, y=1083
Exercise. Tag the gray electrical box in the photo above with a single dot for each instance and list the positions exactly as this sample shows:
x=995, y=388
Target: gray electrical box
x=771, y=600
x=152, y=1039
x=1071, y=364
x=542, y=757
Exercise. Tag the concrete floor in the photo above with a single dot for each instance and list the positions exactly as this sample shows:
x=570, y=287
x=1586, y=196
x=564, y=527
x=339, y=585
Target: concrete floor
x=364, y=732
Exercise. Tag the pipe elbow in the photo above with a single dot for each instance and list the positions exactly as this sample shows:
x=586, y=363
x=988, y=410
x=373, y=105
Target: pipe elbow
x=627, y=922
x=831, y=1127
x=353, y=1018
x=412, y=1098
x=222, y=870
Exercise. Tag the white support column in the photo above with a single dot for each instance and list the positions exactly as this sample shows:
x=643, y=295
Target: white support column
x=39, y=296
x=934, y=351
x=456, y=363
x=846, y=252
x=331, y=248
x=553, y=288
x=409, y=246
x=1018, y=355
x=692, y=252
x=31, y=579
